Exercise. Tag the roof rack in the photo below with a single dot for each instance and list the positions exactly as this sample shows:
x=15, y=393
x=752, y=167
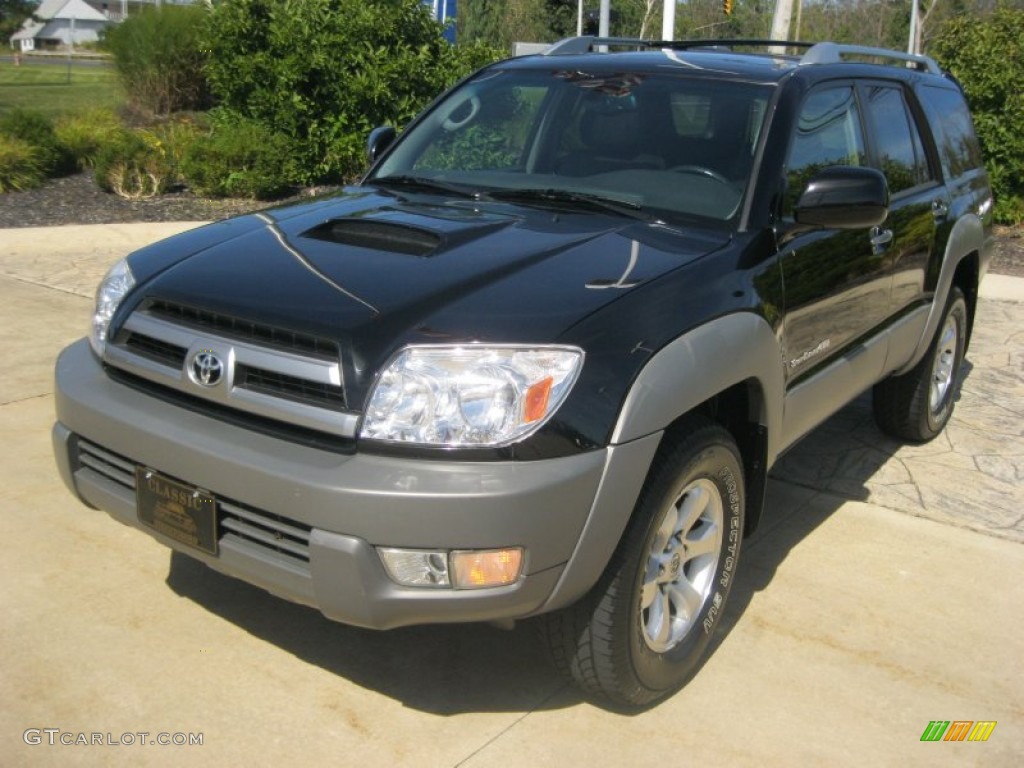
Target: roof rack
x=832, y=53
x=586, y=44
x=816, y=53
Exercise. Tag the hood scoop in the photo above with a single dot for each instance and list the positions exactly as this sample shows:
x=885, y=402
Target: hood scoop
x=378, y=236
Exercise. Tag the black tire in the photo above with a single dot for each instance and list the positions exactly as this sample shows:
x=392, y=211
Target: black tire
x=917, y=405
x=612, y=642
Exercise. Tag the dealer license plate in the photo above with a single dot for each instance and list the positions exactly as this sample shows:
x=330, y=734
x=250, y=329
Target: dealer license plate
x=179, y=511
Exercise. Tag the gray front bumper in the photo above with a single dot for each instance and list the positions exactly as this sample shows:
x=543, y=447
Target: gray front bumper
x=350, y=504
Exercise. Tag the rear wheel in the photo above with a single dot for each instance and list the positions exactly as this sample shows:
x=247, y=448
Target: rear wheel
x=642, y=630
x=917, y=405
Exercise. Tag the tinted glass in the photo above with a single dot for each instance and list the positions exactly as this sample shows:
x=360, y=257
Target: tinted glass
x=828, y=133
x=897, y=143
x=670, y=144
x=954, y=133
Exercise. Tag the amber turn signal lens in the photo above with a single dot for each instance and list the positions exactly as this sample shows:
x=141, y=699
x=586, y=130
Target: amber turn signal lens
x=486, y=568
x=535, y=404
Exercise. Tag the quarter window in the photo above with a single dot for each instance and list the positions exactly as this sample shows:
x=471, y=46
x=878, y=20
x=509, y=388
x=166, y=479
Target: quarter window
x=958, y=146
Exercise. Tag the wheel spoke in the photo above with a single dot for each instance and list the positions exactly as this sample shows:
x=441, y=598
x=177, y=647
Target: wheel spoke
x=666, y=531
x=692, y=507
x=685, y=598
x=648, y=594
x=658, y=625
x=705, y=545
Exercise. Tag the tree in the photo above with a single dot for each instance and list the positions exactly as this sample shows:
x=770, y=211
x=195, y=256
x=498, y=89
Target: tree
x=987, y=56
x=158, y=57
x=503, y=22
x=12, y=14
x=323, y=73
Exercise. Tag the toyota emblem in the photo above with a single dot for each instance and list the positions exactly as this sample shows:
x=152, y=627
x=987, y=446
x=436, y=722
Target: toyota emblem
x=206, y=368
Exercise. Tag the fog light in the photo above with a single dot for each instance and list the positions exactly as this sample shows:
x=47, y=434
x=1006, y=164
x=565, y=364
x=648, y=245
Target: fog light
x=486, y=568
x=416, y=567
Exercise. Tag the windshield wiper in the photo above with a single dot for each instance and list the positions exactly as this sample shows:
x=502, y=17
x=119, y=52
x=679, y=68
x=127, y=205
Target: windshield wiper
x=577, y=200
x=422, y=183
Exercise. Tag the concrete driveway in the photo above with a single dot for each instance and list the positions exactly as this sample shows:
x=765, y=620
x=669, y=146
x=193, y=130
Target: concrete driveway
x=882, y=593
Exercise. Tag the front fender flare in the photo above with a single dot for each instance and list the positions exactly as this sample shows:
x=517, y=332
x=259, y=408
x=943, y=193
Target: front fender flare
x=700, y=364
x=682, y=375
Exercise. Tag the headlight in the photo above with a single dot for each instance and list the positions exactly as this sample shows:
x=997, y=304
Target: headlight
x=112, y=289
x=469, y=396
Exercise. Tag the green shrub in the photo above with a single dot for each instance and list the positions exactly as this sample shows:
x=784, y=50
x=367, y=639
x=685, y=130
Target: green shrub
x=1010, y=209
x=83, y=134
x=20, y=165
x=158, y=57
x=987, y=56
x=239, y=158
x=173, y=140
x=131, y=164
x=36, y=129
x=325, y=72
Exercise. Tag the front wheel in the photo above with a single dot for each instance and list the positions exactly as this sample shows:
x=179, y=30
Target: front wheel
x=640, y=633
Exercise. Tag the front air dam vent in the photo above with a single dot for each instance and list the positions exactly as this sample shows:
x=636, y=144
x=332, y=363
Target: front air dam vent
x=378, y=236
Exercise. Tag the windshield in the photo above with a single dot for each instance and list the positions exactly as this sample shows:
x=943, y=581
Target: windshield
x=666, y=144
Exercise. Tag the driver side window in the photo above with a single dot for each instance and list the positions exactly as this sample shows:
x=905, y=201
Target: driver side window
x=828, y=133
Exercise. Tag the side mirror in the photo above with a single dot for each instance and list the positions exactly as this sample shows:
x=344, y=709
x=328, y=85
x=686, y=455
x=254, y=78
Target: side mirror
x=379, y=140
x=844, y=197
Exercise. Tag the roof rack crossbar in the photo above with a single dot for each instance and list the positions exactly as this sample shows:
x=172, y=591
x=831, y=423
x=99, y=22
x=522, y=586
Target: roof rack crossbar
x=585, y=44
x=831, y=53
x=816, y=53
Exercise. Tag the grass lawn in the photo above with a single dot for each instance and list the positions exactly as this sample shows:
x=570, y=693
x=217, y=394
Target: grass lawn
x=46, y=87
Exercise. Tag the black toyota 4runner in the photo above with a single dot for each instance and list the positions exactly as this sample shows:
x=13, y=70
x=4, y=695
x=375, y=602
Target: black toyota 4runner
x=541, y=359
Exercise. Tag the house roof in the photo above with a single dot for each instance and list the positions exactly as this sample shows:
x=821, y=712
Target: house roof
x=68, y=9
x=28, y=30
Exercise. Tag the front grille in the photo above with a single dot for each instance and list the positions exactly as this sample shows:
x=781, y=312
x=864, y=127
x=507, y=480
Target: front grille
x=113, y=467
x=258, y=530
x=155, y=349
x=241, y=329
x=263, y=529
x=264, y=373
x=291, y=387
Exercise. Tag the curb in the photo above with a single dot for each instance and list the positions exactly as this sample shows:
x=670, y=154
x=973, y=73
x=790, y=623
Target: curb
x=1002, y=288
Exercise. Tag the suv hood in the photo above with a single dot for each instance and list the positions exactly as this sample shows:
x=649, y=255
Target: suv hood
x=376, y=271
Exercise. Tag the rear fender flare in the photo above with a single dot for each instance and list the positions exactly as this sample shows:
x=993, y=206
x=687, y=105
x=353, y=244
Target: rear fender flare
x=967, y=237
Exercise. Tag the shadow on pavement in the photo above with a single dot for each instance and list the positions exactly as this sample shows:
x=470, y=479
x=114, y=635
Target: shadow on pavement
x=452, y=669
x=440, y=669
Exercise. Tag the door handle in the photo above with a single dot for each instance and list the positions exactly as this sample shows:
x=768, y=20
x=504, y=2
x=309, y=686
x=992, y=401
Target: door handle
x=880, y=239
x=939, y=209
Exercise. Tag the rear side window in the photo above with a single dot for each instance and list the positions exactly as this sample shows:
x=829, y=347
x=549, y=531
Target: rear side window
x=954, y=132
x=898, y=145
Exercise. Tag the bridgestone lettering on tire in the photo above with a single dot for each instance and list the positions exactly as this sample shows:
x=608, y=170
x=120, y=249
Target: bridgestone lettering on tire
x=917, y=405
x=642, y=631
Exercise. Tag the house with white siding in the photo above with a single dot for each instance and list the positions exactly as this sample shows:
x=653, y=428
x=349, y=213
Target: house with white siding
x=60, y=24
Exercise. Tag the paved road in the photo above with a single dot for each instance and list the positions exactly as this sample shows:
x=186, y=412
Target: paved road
x=882, y=593
x=61, y=59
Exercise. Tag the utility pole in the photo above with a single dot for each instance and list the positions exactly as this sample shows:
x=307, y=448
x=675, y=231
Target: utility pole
x=606, y=12
x=668, y=21
x=915, y=21
x=782, y=20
